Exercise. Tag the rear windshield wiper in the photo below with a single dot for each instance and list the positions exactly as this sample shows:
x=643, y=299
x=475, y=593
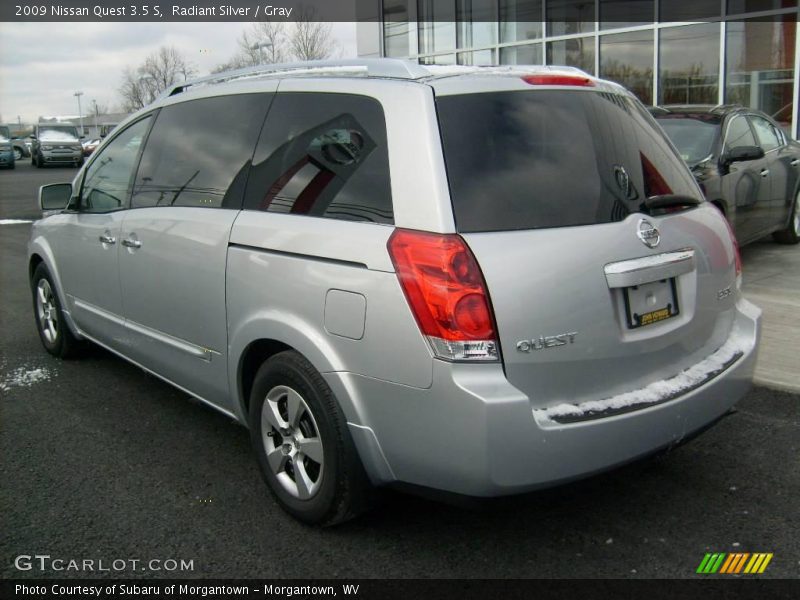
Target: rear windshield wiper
x=670, y=201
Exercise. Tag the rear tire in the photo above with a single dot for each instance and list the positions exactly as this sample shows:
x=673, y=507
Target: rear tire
x=791, y=235
x=53, y=330
x=303, y=445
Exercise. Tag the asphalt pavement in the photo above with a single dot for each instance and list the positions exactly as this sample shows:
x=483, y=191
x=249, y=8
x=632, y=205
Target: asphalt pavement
x=101, y=461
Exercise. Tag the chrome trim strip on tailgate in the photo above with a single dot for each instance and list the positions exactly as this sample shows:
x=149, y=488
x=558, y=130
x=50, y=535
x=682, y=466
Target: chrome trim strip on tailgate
x=636, y=271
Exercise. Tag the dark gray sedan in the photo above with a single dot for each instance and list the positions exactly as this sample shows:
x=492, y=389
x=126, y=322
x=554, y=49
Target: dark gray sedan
x=745, y=164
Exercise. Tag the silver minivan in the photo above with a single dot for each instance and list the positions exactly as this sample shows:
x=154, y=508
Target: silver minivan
x=481, y=281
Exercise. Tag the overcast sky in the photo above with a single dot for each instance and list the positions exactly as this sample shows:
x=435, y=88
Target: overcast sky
x=43, y=64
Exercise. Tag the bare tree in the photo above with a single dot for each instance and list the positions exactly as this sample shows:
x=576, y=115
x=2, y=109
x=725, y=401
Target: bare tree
x=265, y=42
x=310, y=39
x=160, y=70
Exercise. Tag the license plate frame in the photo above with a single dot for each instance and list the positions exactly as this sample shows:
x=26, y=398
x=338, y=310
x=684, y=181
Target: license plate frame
x=650, y=303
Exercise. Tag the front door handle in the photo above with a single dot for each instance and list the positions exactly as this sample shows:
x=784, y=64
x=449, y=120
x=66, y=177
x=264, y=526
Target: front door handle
x=131, y=243
x=764, y=173
x=108, y=239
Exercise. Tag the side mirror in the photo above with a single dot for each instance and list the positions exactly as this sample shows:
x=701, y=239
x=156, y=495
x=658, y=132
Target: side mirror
x=54, y=197
x=743, y=153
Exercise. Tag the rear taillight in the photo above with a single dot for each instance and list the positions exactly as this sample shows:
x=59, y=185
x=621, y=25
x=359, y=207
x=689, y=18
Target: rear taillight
x=558, y=79
x=446, y=292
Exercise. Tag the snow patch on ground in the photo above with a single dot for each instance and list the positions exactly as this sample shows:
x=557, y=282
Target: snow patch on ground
x=14, y=221
x=23, y=377
x=658, y=390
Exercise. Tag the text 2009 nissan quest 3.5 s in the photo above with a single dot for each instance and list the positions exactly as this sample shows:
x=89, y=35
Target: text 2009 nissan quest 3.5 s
x=478, y=280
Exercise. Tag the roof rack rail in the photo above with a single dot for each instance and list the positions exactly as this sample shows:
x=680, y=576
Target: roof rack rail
x=364, y=67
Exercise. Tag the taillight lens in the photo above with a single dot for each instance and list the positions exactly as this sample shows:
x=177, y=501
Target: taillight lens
x=446, y=292
x=558, y=79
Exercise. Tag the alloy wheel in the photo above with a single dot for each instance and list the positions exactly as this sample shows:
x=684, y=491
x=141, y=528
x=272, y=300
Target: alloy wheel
x=292, y=442
x=47, y=311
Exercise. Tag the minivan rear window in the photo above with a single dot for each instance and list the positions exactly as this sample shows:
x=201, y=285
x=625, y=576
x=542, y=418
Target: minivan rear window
x=553, y=158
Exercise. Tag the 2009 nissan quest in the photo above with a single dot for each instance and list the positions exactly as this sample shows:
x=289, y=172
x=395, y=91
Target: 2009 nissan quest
x=478, y=280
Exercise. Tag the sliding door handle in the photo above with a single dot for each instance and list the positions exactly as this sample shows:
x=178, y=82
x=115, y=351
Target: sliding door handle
x=108, y=239
x=131, y=243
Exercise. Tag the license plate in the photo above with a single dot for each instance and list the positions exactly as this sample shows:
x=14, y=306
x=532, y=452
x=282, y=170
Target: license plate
x=651, y=303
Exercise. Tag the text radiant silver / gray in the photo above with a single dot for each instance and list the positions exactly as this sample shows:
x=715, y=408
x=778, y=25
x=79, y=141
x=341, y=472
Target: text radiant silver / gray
x=368, y=263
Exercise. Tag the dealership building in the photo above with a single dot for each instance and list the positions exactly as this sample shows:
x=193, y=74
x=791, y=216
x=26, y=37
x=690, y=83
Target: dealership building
x=665, y=51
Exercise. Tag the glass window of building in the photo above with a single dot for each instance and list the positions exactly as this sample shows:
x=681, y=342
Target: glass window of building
x=576, y=52
x=396, y=39
x=737, y=7
x=671, y=10
x=627, y=58
x=437, y=27
x=626, y=13
x=476, y=58
x=477, y=23
x=689, y=64
x=529, y=54
x=570, y=16
x=442, y=59
x=760, y=66
x=520, y=20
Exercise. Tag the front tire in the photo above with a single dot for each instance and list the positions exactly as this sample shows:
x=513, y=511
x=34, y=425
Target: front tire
x=303, y=445
x=39, y=161
x=53, y=330
x=791, y=235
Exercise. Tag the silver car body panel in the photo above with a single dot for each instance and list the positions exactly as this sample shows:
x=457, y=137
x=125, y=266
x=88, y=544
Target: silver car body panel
x=205, y=285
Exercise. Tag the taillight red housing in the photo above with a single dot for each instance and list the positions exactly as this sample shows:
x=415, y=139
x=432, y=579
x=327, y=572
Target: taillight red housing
x=446, y=292
x=558, y=79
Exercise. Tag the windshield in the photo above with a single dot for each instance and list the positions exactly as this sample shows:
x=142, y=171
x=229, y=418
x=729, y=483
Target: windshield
x=549, y=158
x=66, y=133
x=4, y=134
x=693, y=137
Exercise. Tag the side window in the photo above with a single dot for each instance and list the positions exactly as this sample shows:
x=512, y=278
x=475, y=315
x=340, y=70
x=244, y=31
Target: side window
x=107, y=183
x=768, y=137
x=323, y=155
x=199, y=152
x=739, y=134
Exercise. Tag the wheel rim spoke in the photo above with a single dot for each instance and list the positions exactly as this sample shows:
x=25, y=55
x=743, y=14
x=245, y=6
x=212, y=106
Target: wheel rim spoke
x=270, y=417
x=305, y=486
x=312, y=448
x=277, y=460
x=294, y=408
x=42, y=295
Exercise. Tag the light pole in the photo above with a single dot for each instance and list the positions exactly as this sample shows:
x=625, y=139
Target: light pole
x=260, y=47
x=80, y=114
x=96, y=131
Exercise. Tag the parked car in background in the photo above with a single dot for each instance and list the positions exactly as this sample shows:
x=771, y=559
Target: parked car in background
x=7, y=157
x=56, y=143
x=745, y=164
x=477, y=280
x=90, y=146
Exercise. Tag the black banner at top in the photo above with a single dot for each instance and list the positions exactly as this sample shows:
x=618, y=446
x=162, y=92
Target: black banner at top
x=627, y=12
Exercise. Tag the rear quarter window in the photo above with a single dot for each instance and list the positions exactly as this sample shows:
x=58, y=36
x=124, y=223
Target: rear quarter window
x=553, y=158
x=323, y=155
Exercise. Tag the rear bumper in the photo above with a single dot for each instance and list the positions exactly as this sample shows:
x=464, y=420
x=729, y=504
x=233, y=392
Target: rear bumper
x=473, y=433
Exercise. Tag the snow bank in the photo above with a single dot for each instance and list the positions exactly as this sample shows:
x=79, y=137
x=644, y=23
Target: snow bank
x=23, y=377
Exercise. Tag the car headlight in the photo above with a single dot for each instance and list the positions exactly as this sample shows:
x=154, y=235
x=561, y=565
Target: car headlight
x=47, y=147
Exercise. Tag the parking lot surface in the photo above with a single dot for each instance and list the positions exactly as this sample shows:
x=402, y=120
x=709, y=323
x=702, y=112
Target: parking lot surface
x=102, y=461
